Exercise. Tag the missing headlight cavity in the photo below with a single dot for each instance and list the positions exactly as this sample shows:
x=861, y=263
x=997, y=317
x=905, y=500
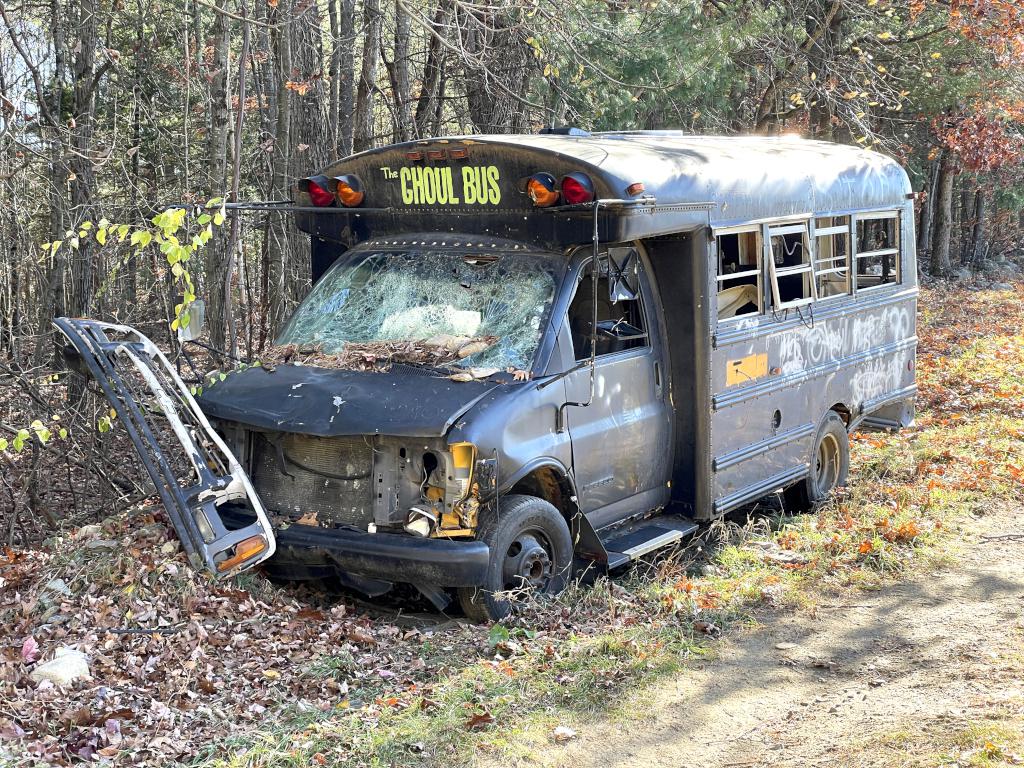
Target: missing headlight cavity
x=430, y=463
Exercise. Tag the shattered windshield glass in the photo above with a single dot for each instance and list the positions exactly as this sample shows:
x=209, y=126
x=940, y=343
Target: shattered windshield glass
x=496, y=300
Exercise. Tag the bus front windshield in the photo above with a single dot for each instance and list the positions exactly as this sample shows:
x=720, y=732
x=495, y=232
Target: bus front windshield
x=427, y=294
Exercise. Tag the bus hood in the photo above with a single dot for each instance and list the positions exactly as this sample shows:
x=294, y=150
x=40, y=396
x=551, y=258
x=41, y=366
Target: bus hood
x=330, y=402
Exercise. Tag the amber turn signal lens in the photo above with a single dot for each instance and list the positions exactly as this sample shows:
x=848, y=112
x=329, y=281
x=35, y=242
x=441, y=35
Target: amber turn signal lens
x=542, y=189
x=349, y=191
x=246, y=549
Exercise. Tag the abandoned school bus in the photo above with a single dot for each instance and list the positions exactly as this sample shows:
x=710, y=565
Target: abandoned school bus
x=526, y=354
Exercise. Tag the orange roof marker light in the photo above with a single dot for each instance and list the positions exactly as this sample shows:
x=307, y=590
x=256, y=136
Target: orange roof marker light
x=542, y=190
x=349, y=190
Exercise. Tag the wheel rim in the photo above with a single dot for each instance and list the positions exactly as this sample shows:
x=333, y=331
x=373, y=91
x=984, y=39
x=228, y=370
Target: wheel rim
x=826, y=465
x=528, y=562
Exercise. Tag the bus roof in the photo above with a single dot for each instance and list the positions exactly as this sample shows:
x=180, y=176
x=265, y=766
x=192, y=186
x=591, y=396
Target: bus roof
x=476, y=185
x=745, y=178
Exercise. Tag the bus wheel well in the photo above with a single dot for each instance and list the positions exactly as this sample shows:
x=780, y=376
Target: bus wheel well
x=550, y=485
x=843, y=411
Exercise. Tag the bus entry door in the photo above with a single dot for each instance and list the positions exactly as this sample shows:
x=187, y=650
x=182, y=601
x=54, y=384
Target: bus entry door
x=619, y=441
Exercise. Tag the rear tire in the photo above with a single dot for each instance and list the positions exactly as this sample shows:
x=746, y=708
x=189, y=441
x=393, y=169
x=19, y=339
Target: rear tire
x=531, y=549
x=829, y=464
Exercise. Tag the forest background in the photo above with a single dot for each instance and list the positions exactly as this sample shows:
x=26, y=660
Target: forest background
x=111, y=111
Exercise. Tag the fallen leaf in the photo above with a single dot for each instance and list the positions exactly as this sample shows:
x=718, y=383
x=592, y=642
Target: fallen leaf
x=479, y=720
x=707, y=627
x=29, y=650
x=360, y=635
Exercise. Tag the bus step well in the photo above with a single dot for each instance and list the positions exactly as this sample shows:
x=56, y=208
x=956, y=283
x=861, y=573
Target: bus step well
x=625, y=546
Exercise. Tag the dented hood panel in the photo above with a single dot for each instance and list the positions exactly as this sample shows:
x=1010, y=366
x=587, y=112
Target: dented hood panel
x=330, y=403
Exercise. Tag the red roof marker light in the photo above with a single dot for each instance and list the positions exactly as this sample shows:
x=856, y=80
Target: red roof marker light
x=319, y=190
x=577, y=188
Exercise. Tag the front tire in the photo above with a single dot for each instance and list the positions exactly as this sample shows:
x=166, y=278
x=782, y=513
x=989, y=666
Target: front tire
x=829, y=467
x=531, y=550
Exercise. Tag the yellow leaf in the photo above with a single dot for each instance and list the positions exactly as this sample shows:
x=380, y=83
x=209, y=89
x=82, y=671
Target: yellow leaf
x=273, y=674
x=885, y=36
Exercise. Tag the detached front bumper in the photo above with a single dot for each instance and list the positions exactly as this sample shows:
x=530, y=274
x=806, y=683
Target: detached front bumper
x=164, y=423
x=385, y=556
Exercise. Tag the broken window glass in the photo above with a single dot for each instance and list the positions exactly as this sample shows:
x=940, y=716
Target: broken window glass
x=419, y=295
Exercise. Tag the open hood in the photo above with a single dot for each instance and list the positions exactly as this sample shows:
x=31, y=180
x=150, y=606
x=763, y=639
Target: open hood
x=330, y=402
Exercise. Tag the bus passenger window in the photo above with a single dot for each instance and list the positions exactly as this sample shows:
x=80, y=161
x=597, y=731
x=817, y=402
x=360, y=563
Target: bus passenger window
x=790, y=267
x=878, y=250
x=620, y=326
x=832, y=255
x=739, y=273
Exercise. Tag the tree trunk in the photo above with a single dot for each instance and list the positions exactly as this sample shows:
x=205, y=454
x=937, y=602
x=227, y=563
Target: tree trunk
x=53, y=300
x=347, y=78
x=373, y=22
x=302, y=146
x=277, y=230
x=940, y=263
x=924, y=232
x=965, y=219
x=334, y=109
x=825, y=26
x=83, y=181
x=400, y=69
x=497, y=70
x=426, y=104
x=980, y=237
x=217, y=157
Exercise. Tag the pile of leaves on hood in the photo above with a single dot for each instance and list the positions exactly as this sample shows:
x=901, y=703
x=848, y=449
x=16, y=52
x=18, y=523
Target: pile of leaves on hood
x=435, y=352
x=176, y=661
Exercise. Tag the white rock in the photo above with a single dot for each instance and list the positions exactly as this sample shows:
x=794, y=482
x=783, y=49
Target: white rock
x=66, y=666
x=59, y=587
x=87, y=531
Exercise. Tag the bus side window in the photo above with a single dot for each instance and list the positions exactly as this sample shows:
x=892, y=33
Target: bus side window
x=790, y=268
x=739, y=273
x=832, y=256
x=878, y=250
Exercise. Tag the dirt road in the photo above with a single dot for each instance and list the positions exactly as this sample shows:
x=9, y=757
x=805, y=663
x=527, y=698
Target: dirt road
x=927, y=671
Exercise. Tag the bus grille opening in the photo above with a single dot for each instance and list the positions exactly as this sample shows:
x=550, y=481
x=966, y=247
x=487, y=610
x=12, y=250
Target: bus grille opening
x=298, y=474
